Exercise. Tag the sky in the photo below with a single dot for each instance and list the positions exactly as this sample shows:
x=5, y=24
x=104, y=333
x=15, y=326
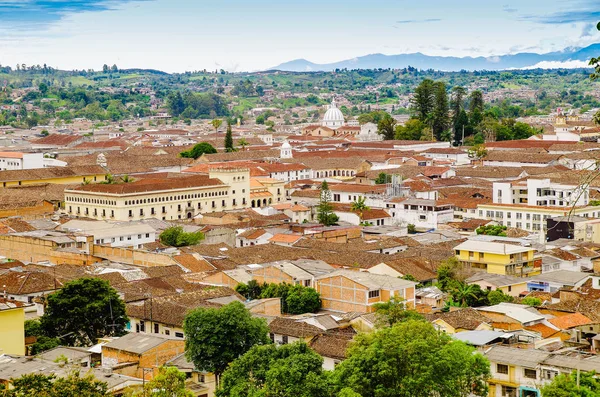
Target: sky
x=250, y=35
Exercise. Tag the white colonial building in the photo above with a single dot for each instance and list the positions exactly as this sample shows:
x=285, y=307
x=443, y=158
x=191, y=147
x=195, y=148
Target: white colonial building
x=167, y=199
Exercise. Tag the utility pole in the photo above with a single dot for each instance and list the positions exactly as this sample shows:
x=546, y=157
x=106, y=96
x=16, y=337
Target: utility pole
x=463, y=135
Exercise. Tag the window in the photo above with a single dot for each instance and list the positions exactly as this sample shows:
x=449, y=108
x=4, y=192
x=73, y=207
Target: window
x=179, y=334
x=530, y=373
x=374, y=294
x=284, y=339
x=156, y=328
x=167, y=332
x=142, y=326
x=502, y=369
x=272, y=336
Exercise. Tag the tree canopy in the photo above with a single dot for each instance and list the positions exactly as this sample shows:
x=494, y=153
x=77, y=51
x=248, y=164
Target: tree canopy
x=412, y=359
x=174, y=236
x=40, y=385
x=84, y=310
x=216, y=337
x=170, y=382
x=270, y=370
x=198, y=150
x=565, y=385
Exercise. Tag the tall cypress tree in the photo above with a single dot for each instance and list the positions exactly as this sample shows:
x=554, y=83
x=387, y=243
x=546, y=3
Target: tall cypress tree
x=325, y=214
x=229, y=139
x=423, y=101
x=441, y=117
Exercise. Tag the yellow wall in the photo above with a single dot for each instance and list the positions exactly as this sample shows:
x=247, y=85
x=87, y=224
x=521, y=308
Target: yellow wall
x=496, y=263
x=12, y=331
x=68, y=180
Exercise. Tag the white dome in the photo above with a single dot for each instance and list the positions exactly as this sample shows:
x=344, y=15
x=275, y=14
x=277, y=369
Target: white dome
x=334, y=118
x=286, y=145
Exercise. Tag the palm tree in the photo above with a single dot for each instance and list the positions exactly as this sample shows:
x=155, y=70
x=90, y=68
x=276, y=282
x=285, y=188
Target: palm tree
x=109, y=179
x=243, y=143
x=216, y=123
x=359, y=206
x=463, y=292
x=127, y=179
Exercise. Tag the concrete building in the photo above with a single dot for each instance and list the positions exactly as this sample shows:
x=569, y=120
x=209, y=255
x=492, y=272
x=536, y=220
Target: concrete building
x=12, y=333
x=497, y=258
x=114, y=234
x=20, y=161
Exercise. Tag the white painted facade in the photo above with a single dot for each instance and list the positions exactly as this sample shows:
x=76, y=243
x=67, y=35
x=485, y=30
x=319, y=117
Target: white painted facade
x=424, y=214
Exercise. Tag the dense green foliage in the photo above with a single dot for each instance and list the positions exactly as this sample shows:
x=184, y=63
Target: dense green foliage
x=43, y=342
x=408, y=359
x=492, y=230
x=497, y=296
x=531, y=301
x=170, y=382
x=565, y=385
x=82, y=311
x=412, y=359
x=198, y=150
x=295, y=299
x=325, y=214
x=114, y=94
x=269, y=370
x=394, y=311
x=174, y=236
x=216, y=337
x=74, y=385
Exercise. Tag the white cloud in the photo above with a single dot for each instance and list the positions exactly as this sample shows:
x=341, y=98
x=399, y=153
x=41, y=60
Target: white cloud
x=570, y=64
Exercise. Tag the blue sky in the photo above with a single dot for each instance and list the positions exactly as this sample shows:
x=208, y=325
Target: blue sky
x=241, y=35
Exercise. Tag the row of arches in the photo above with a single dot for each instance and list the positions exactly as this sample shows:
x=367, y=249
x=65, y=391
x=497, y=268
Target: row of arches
x=325, y=174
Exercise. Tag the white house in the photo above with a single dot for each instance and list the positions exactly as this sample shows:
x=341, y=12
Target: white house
x=424, y=214
x=115, y=234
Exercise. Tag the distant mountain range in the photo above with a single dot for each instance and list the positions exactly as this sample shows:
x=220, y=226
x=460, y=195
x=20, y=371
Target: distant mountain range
x=569, y=57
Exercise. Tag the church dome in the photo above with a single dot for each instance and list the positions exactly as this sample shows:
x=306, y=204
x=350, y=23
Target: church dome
x=334, y=118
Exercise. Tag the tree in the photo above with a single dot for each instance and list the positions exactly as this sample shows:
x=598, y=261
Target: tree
x=84, y=310
x=174, y=236
x=229, y=139
x=295, y=299
x=457, y=102
x=325, y=214
x=477, y=152
x=492, y=230
x=412, y=130
x=497, y=296
x=531, y=301
x=216, y=123
x=175, y=103
x=423, y=101
x=461, y=124
x=476, y=107
x=127, y=179
x=74, y=385
x=412, y=359
x=43, y=343
x=394, y=311
x=251, y=291
x=411, y=228
x=565, y=385
x=301, y=299
x=216, y=337
x=170, y=382
x=383, y=178
x=440, y=117
x=288, y=370
x=387, y=127
x=243, y=143
x=198, y=150
x=464, y=293
x=359, y=206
